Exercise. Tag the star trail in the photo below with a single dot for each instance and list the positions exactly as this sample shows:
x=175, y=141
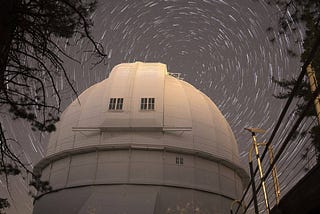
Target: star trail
x=220, y=47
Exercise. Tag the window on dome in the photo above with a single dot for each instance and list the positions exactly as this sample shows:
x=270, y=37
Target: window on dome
x=179, y=160
x=147, y=103
x=116, y=104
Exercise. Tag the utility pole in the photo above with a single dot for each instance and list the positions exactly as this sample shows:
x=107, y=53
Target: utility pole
x=313, y=87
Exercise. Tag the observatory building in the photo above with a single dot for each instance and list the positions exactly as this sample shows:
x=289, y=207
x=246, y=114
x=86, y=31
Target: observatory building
x=143, y=142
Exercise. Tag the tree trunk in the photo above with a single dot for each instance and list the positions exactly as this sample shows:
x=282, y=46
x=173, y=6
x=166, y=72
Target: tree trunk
x=7, y=26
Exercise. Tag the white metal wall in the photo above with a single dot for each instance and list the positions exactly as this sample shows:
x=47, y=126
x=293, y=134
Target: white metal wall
x=132, y=199
x=144, y=167
x=177, y=105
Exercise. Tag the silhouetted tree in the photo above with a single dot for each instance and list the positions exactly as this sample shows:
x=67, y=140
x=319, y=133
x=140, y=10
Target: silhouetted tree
x=34, y=35
x=3, y=204
x=304, y=13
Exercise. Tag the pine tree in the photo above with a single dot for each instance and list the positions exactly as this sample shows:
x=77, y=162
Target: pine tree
x=30, y=54
x=307, y=13
x=31, y=58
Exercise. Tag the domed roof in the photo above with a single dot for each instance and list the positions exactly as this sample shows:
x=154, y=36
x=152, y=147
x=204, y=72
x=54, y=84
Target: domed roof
x=156, y=110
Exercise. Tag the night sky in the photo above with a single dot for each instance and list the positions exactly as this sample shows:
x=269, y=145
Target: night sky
x=220, y=47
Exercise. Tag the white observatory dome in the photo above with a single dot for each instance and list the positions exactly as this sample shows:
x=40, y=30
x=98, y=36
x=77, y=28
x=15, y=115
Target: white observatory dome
x=141, y=141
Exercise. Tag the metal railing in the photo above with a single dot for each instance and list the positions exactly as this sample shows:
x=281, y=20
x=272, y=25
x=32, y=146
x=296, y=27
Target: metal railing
x=293, y=153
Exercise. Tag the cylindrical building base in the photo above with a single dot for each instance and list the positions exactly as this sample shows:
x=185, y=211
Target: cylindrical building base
x=138, y=199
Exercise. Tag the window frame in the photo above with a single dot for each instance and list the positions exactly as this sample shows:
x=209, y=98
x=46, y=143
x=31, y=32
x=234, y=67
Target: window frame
x=116, y=104
x=179, y=160
x=147, y=104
